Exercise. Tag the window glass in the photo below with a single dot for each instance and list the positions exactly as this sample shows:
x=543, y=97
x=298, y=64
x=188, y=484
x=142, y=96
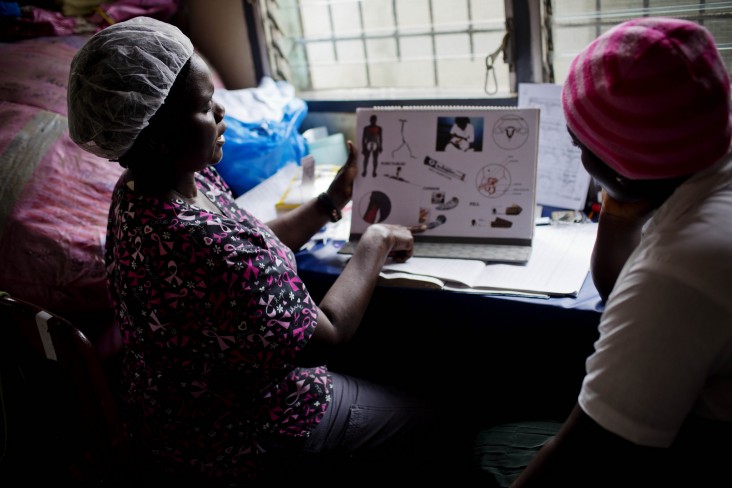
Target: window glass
x=440, y=48
x=437, y=45
x=577, y=22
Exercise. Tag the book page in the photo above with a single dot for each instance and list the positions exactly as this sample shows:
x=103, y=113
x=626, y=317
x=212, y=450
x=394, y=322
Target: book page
x=395, y=278
x=561, y=180
x=558, y=266
x=465, y=271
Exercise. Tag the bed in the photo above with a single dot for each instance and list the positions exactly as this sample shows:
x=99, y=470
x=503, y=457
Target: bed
x=54, y=197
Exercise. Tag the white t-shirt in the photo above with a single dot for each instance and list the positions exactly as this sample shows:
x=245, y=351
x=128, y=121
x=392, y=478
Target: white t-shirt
x=665, y=346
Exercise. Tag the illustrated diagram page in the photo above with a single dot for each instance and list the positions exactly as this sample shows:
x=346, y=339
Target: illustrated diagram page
x=463, y=172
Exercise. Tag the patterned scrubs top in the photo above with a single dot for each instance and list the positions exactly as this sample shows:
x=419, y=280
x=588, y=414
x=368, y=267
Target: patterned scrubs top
x=213, y=315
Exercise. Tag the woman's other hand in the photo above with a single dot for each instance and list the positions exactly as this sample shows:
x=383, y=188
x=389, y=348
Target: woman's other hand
x=345, y=303
x=635, y=211
x=618, y=233
x=388, y=241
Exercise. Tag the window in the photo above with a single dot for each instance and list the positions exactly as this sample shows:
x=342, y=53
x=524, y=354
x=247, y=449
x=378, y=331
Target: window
x=430, y=48
x=575, y=23
x=445, y=49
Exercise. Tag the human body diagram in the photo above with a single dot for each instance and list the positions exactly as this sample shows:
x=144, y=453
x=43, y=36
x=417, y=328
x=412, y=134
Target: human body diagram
x=371, y=145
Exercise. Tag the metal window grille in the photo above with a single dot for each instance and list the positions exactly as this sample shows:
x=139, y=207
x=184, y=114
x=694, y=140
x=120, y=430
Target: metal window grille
x=385, y=44
x=576, y=23
x=358, y=47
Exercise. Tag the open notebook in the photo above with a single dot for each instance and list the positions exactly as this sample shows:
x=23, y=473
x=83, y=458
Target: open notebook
x=467, y=173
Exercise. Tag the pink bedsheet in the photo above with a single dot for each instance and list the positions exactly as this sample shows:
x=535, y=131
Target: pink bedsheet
x=54, y=197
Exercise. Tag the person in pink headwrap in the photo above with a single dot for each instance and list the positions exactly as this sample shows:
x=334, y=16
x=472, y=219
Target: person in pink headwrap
x=648, y=104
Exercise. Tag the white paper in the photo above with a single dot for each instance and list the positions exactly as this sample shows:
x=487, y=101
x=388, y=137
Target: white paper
x=561, y=180
x=558, y=266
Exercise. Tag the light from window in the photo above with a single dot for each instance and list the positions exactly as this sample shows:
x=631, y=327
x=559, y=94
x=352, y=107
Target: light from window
x=403, y=45
x=577, y=22
x=438, y=48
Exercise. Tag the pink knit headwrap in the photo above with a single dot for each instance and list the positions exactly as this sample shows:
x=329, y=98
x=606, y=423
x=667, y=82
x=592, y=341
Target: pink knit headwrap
x=651, y=98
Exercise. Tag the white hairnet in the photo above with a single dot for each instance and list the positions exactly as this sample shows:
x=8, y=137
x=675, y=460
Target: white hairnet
x=119, y=79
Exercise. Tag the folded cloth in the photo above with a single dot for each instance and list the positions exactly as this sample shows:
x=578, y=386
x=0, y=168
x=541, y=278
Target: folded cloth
x=503, y=451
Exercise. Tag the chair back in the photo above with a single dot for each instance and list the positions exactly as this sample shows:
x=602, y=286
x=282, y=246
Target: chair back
x=61, y=415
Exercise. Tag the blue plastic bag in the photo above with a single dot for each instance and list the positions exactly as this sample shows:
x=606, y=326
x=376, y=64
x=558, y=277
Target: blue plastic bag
x=254, y=151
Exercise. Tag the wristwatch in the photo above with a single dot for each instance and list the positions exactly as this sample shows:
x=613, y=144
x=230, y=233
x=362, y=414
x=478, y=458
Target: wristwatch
x=329, y=205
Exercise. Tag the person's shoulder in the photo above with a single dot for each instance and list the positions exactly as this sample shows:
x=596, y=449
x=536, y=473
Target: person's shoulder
x=132, y=205
x=693, y=234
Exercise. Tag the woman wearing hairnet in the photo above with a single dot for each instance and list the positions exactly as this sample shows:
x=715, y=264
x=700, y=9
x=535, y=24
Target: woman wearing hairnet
x=224, y=373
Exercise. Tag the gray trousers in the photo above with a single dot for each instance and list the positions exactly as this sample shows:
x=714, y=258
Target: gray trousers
x=371, y=432
x=364, y=416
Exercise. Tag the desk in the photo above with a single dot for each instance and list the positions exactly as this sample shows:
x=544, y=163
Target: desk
x=527, y=354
